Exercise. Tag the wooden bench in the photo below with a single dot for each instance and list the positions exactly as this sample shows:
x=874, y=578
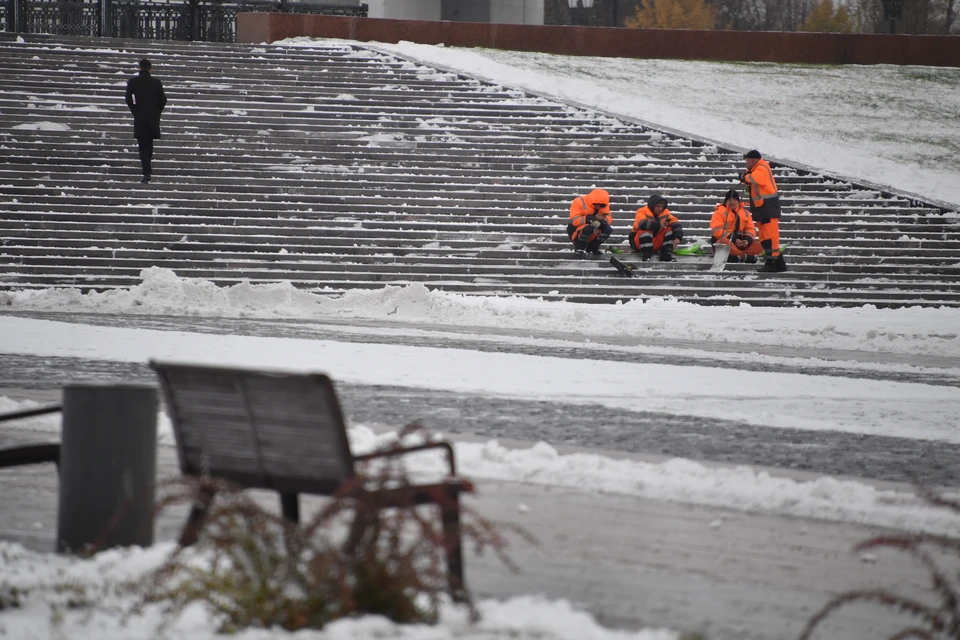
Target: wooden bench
x=285, y=432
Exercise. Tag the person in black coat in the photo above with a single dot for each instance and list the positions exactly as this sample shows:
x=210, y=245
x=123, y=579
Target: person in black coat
x=146, y=100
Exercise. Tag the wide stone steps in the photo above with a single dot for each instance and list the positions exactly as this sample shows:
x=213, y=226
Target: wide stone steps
x=286, y=218
x=552, y=184
x=457, y=216
x=294, y=174
x=438, y=269
x=551, y=180
x=358, y=189
x=338, y=168
x=545, y=190
x=455, y=238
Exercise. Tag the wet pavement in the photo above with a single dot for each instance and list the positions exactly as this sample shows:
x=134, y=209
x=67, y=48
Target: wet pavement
x=630, y=562
x=729, y=441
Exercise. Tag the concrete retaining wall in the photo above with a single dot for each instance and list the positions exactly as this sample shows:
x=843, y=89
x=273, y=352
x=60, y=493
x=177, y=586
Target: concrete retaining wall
x=749, y=46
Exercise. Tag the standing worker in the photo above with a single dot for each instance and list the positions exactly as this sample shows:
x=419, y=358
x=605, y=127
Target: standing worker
x=146, y=100
x=765, y=207
x=590, y=222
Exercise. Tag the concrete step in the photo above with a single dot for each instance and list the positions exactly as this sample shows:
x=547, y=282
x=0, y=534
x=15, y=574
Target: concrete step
x=518, y=267
x=422, y=224
x=362, y=183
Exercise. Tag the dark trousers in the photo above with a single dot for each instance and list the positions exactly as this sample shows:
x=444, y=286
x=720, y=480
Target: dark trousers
x=590, y=239
x=146, y=154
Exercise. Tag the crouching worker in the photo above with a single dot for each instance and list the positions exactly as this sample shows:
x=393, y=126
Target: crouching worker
x=655, y=229
x=732, y=224
x=590, y=222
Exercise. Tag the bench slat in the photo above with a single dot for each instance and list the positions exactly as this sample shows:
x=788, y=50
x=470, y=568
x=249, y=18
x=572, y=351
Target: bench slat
x=259, y=425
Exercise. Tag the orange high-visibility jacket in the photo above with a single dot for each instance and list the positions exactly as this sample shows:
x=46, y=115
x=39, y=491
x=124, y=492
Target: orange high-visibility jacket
x=666, y=219
x=760, y=183
x=582, y=207
x=728, y=221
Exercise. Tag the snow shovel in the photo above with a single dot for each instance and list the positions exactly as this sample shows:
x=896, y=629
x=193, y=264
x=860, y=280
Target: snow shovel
x=721, y=249
x=720, y=255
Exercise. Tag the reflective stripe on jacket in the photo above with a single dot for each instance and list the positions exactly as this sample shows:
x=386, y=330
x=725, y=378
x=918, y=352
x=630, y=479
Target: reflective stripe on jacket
x=726, y=222
x=666, y=219
x=760, y=183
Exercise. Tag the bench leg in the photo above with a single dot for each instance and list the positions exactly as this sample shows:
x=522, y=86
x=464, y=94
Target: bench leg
x=290, y=506
x=198, y=513
x=450, y=517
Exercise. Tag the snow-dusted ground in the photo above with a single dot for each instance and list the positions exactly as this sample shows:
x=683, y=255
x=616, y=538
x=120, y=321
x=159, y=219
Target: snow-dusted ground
x=815, y=402
x=51, y=617
x=883, y=124
x=895, y=126
x=779, y=399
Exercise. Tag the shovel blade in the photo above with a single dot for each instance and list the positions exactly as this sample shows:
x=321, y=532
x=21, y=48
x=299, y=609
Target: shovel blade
x=722, y=252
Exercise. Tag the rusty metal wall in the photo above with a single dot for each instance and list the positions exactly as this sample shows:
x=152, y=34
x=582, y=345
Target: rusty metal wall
x=747, y=46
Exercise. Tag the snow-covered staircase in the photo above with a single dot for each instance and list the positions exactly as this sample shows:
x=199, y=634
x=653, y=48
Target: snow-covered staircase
x=339, y=167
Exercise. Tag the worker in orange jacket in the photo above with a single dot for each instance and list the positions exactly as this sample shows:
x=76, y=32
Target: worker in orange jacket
x=732, y=224
x=590, y=222
x=656, y=229
x=765, y=207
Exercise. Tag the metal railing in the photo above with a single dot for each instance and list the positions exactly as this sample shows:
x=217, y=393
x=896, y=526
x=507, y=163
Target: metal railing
x=6, y=15
x=61, y=17
x=210, y=20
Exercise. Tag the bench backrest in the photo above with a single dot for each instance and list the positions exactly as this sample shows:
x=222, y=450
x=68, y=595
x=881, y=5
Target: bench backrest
x=281, y=431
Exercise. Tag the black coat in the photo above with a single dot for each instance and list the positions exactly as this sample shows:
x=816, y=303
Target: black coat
x=146, y=100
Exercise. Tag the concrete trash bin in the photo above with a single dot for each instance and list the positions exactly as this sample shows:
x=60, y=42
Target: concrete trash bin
x=108, y=460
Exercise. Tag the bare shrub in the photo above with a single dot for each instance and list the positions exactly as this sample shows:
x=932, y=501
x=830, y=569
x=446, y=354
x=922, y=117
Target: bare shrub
x=939, y=621
x=354, y=556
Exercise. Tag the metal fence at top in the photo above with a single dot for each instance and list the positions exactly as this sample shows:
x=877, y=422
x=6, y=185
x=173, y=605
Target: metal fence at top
x=206, y=20
x=62, y=17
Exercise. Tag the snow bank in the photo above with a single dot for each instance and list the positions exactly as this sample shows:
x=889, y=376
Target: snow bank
x=44, y=612
x=913, y=331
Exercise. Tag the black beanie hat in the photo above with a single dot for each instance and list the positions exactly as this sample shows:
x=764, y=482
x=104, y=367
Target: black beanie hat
x=752, y=154
x=732, y=193
x=656, y=199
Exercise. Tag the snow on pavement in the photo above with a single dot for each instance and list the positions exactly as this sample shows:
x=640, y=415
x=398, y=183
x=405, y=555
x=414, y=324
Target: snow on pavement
x=47, y=582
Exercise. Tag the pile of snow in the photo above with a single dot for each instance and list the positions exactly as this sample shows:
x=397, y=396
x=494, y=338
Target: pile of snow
x=655, y=323
x=740, y=488
x=45, y=584
x=42, y=126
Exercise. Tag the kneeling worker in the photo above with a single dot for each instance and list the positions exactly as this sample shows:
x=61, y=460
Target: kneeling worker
x=656, y=229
